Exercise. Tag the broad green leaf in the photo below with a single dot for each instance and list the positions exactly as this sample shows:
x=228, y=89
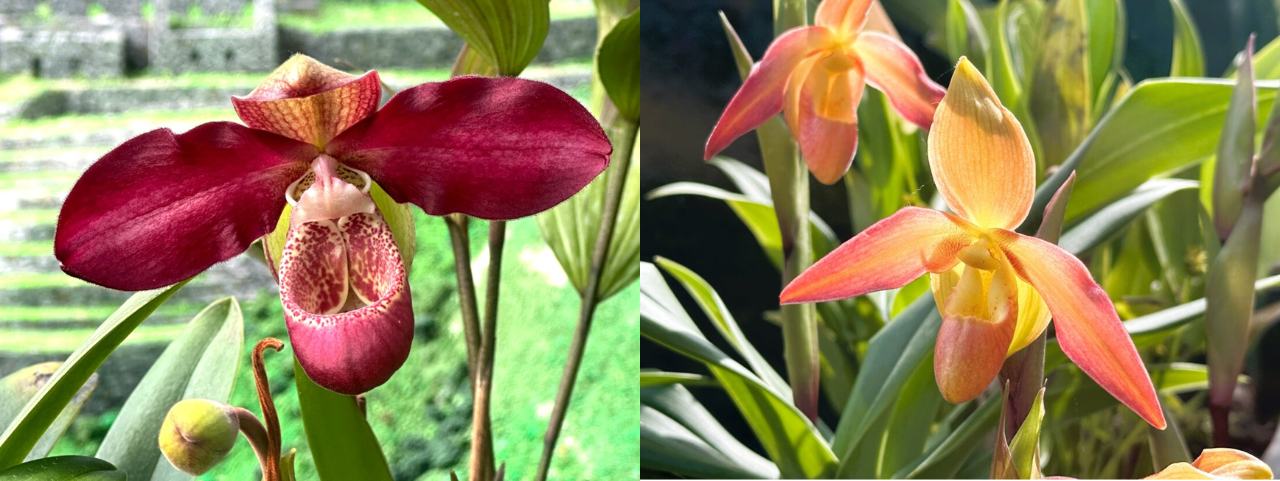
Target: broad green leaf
x=948, y=457
x=61, y=388
x=619, y=65
x=1025, y=447
x=1188, y=56
x=342, y=444
x=1061, y=94
x=679, y=404
x=508, y=33
x=1001, y=71
x=667, y=446
x=1114, y=217
x=200, y=363
x=718, y=312
x=1234, y=162
x=786, y=434
x=650, y=378
x=19, y=387
x=1266, y=62
x=1106, y=39
x=1161, y=126
x=1071, y=394
x=63, y=468
x=892, y=356
x=910, y=420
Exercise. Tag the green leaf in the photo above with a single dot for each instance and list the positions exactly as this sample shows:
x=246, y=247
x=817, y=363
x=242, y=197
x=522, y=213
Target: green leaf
x=201, y=363
x=1061, y=94
x=1167, y=445
x=667, y=446
x=785, y=433
x=1106, y=39
x=508, y=33
x=650, y=378
x=718, y=312
x=1114, y=217
x=1161, y=126
x=64, y=468
x=1072, y=394
x=948, y=457
x=619, y=65
x=1266, y=62
x=1025, y=447
x=1231, y=168
x=1188, y=56
x=342, y=444
x=965, y=33
x=19, y=387
x=1229, y=297
x=41, y=412
x=911, y=420
x=1001, y=70
x=680, y=406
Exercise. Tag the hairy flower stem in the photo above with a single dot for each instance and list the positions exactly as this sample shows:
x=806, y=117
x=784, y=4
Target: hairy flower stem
x=482, y=462
x=624, y=143
x=461, y=239
x=271, y=467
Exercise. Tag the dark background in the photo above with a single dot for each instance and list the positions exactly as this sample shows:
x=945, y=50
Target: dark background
x=689, y=76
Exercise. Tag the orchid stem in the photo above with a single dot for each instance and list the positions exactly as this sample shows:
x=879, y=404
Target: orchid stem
x=256, y=433
x=482, y=462
x=1024, y=373
x=624, y=142
x=461, y=239
x=271, y=468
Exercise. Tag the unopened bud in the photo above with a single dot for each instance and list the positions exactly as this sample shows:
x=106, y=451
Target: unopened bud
x=197, y=434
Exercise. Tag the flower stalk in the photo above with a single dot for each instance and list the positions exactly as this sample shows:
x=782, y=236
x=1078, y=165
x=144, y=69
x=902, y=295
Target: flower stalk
x=482, y=460
x=271, y=466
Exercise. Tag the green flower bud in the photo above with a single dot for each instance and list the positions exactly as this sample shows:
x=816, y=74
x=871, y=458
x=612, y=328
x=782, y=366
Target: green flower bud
x=197, y=434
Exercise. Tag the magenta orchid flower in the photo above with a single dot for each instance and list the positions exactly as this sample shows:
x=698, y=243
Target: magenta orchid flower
x=816, y=75
x=163, y=207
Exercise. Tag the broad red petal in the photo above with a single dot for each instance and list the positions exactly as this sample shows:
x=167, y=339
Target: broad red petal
x=894, y=69
x=761, y=94
x=887, y=255
x=352, y=263
x=842, y=15
x=494, y=148
x=824, y=118
x=1087, y=326
x=162, y=207
x=309, y=101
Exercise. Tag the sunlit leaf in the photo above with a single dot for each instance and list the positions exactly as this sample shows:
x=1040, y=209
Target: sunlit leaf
x=1025, y=447
x=1188, y=55
x=21, y=386
x=948, y=457
x=1071, y=394
x=661, y=378
x=1061, y=97
x=1234, y=162
x=1112, y=218
x=508, y=33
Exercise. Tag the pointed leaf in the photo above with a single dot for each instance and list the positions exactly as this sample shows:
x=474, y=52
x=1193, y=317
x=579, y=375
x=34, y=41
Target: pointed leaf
x=1114, y=217
x=619, y=65
x=508, y=33
x=1233, y=165
x=1188, y=55
x=665, y=445
x=1025, y=447
x=1062, y=97
x=650, y=378
x=342, y=444
x=948, y=457
x=678, y=403
x=64, y=468
x=1229, y=297
x=19, y=387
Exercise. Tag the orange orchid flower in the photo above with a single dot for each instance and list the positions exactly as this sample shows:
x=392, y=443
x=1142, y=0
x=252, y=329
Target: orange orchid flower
x=996, y=288
x=816, y=75
x=1217, y=463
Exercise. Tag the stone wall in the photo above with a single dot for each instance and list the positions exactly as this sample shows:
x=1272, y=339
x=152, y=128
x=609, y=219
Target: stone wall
x=62, y=53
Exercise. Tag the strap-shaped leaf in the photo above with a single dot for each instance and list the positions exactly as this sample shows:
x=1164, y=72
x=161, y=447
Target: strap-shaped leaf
x=1114, y=217
x=788, y=437
x=508, y=33
x=19, y=387
x=666, y=445
x=342, y=444
x=618, y=63
x=652, y=378
x=61, y=388
x=1188, y=55
x=200, y=363
x=63, y=468
x=679, y=404
x=1072, y=395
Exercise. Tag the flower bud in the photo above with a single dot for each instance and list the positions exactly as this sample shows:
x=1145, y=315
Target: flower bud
x=197, y=434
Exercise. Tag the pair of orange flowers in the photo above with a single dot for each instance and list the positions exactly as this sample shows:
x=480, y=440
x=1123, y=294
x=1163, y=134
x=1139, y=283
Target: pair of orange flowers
x=996, y=289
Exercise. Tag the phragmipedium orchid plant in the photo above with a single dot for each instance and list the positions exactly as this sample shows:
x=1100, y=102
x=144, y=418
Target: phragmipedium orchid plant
x=996, y=289
x=815, y=75
x=164, y=207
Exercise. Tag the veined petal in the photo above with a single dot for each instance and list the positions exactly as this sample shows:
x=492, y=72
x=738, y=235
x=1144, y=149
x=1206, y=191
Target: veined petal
x=847, y=16
x=761, y=94
x=981, y=159
x=979, y=310
x=309, y=101
x=887, y=255
x=1180, y=471
x=161, y=207
x=494, y=148
x=352, y=264
x=1088, y=328
x=894, y=69
x=826, y=116
x=1232, y=463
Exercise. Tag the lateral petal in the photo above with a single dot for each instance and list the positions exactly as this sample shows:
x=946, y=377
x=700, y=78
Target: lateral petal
x=887, y=255
x=894, y=69
x=494, y=148
x=1088, y=328
x=761, y=94
x=981, y=159
x=161, y=207
x=309, y=101
x=846, y=16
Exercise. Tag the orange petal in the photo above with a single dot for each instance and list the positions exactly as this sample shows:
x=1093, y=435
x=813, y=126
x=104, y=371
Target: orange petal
x=761, y=94
x=824, y=117
x=893, y=68
x=845, y=16
x=982, y=162
x=1231, y=463
x=309, y=101
x=887, y=255
x=978, y=317
x=1088, y=328
x=1180, y=471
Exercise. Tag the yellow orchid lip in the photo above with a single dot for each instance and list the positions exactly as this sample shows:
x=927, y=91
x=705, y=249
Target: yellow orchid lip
x=995, y=288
